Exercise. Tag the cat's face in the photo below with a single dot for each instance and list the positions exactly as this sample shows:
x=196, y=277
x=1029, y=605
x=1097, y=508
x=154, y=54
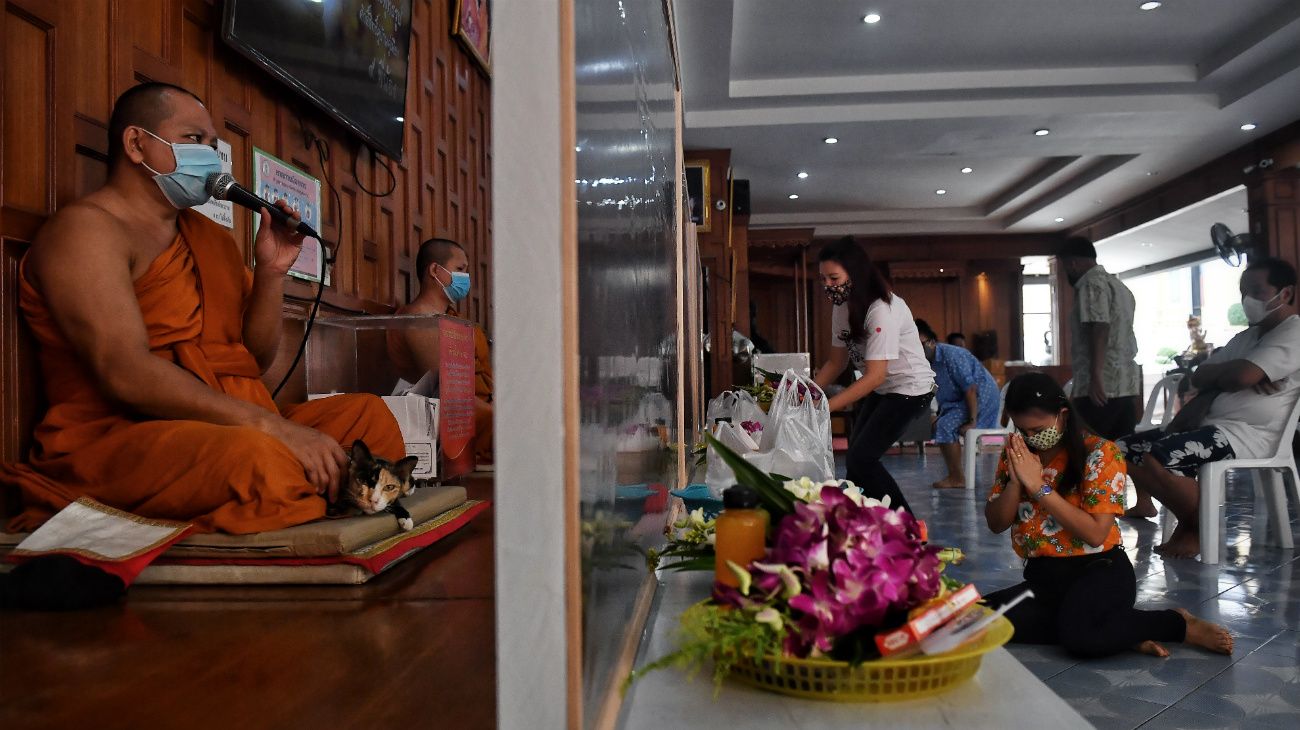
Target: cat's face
x=374, y=483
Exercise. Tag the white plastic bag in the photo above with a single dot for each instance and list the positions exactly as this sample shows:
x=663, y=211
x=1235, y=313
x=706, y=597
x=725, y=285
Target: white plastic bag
x=721, y=407
x=797, y=439
x=747, y=410
x=718, y=475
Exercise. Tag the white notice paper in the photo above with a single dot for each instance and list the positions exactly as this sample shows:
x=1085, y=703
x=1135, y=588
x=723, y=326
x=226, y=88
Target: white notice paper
x=220, y=211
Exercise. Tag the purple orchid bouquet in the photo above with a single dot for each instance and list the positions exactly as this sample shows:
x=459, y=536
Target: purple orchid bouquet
x=838, y=571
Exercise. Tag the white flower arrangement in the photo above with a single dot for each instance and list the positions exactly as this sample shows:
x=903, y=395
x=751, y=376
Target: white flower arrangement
x=808, y=491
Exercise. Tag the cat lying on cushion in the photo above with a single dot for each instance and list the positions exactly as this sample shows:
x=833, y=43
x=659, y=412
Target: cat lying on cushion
x=375, y=485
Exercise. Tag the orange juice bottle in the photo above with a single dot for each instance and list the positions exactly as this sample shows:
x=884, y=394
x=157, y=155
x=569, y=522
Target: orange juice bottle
x=741, y=533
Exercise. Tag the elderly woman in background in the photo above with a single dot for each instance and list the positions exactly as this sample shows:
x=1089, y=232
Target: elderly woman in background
x=967, y=396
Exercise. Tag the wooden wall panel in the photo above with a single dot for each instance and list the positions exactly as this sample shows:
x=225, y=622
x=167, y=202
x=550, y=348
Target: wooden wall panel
x=65, y=62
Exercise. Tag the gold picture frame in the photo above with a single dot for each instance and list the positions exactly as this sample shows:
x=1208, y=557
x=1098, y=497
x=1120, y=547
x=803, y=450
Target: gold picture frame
x=472, y=24
x=699, y=194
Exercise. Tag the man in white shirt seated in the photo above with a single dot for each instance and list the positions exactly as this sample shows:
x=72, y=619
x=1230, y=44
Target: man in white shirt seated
x=1246, y=391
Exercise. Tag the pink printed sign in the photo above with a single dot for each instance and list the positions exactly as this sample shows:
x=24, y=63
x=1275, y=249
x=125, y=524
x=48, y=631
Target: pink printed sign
x=456, y=395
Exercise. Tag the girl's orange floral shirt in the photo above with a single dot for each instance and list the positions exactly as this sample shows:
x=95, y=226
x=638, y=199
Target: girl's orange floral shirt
x=1036, y=533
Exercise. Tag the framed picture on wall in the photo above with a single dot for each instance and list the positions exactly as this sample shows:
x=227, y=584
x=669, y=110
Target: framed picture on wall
x=472, y=24
x=697, y=189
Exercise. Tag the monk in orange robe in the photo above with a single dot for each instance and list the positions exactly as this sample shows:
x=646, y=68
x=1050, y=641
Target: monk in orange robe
x=443, y=269
x=153, y=339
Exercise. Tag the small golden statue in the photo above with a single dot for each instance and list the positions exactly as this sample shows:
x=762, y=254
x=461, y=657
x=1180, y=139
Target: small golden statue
x=1198, y=349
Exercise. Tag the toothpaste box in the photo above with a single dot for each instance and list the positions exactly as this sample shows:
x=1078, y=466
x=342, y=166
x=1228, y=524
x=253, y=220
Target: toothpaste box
x=906, y=638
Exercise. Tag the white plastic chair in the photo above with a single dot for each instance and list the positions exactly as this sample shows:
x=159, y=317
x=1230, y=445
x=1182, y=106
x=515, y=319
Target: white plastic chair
x=1213, y=480
x=971, y=441
x=1168, y=387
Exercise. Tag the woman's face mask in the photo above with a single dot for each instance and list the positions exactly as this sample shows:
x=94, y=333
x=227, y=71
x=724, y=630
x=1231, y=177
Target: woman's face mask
x=187, y=185
x=1045, y=439
x=839, y=293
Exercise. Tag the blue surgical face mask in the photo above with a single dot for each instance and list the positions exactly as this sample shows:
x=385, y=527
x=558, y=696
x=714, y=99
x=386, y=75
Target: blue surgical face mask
x=186, y=186
x=458, y=289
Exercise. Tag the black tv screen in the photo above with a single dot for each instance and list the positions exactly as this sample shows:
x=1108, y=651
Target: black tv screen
x=347, y=56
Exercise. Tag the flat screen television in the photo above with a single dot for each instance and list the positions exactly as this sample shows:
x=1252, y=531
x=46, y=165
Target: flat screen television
x=347, y=56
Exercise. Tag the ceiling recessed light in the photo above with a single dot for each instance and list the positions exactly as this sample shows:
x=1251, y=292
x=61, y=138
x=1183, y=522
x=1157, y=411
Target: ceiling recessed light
x=1247, y=126
x=802, y=176
x=1042, y=132
x=831, y=140
x=401, y=119
x=1060, y=220
x=967, y=170
x=1152, y=173
x=794, y=196
x=1149, y=5
x=871, y=18
x=941, y=191
x=940, y=271
x=577, y=148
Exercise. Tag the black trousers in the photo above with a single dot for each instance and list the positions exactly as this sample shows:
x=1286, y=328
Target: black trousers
x=1085, y=604
x=1119, y=417
x=881, y=419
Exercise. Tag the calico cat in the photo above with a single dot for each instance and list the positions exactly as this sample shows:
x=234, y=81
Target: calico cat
x=375, y=485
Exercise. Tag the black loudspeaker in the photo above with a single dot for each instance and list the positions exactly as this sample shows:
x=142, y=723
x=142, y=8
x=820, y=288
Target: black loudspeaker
x=740, y=197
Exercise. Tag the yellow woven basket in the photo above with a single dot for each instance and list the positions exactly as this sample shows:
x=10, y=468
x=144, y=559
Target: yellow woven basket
x=882, y=680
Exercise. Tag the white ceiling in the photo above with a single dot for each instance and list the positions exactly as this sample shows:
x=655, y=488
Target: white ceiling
x=1182, y=233
x=1132, y=99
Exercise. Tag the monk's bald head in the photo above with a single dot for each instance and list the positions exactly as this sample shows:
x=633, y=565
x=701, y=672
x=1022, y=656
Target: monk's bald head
x=146, y=105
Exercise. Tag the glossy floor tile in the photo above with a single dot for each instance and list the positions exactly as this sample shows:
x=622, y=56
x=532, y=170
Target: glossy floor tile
x=1255, y=592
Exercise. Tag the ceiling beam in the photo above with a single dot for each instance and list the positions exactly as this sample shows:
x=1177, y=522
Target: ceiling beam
x=1037, y=107
x=1104, y=165
x=963, y=80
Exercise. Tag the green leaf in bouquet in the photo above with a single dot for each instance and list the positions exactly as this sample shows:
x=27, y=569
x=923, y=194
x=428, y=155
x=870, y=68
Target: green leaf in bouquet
x=775, y=499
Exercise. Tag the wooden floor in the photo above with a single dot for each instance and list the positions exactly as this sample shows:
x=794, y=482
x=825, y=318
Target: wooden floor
x=414, y=648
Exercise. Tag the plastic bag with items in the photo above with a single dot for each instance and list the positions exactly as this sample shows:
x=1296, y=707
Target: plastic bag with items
x=722, y=407
x=748, y=415
x=797, y=440
x=718, y=476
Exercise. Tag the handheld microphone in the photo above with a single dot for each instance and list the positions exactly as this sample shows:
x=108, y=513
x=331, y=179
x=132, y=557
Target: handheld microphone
x=222, y=186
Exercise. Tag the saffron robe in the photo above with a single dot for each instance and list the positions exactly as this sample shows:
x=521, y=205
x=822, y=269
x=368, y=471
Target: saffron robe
x=222, y=478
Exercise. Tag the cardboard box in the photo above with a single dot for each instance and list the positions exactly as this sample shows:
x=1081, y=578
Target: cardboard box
x=417, y=416
x=907, y=638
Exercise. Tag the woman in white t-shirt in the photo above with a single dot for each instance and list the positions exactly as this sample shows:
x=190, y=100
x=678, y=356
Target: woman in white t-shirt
x=874, y=329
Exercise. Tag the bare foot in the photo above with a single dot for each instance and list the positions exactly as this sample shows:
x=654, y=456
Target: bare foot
x=1206, y=635
x=950, y=483
x=1141, y=511
x=1151, y=648
x=1184, y=543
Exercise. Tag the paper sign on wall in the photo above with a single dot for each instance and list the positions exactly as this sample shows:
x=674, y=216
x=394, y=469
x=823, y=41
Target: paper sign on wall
x=220, y=211
x=274, y=179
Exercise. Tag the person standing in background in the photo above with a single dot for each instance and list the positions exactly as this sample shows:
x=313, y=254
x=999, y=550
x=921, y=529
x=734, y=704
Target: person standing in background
x=872, y=327
x=956, y=339
x=1103, y=348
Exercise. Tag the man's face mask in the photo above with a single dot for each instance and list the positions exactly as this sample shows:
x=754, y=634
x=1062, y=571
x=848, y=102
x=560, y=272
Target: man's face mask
x=458, y=289
x=186, y=186
x=1257, y=311
x=839, y=293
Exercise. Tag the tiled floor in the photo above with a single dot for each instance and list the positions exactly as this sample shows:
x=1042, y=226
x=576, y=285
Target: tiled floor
x=1255, y=592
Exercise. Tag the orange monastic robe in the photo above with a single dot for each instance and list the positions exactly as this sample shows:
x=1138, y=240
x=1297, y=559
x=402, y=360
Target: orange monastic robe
x=228, y=478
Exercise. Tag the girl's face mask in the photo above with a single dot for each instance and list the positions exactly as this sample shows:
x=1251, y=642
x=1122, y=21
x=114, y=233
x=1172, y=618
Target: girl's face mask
x=839, y=293
x=1045, y=439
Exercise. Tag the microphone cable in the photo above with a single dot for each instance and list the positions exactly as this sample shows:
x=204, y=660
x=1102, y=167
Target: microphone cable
x=330, y=253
